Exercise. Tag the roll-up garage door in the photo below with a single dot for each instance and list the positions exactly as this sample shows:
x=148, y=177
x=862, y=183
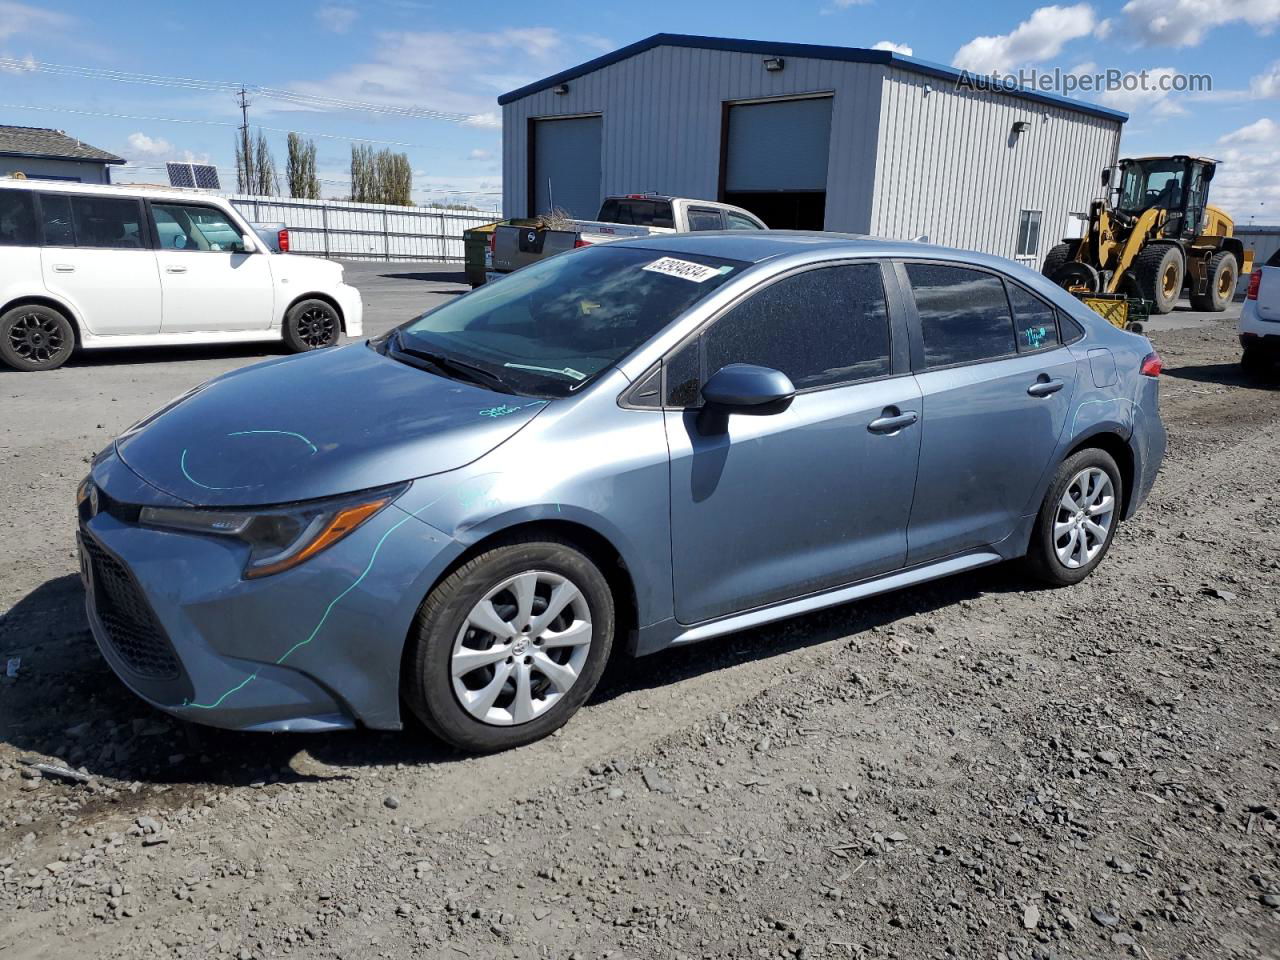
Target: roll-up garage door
x=566, y=166
x=776, y=161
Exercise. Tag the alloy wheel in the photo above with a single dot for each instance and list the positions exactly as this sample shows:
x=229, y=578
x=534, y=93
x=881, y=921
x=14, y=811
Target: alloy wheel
x=1084, y=517
x=521, y=648
x=317, y=327
x=36, y=338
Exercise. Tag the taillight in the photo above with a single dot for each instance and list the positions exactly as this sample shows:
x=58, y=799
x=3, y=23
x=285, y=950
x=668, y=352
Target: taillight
x=1152, y=365
x=1255, y=281
x=493, y=241
x=579, y=242
x=282, y=240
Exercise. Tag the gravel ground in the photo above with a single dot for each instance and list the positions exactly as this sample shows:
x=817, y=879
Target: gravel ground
x=973, y=768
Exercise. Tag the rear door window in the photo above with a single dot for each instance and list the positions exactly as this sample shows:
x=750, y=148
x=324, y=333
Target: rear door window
x=1033, y=320
x=92, y=221
x=703, y=218
x=964, y=314
x=55, y=217
x=17, y=218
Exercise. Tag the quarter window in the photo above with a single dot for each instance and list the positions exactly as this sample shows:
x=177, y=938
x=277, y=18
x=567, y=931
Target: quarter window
x=821, y=327
x=737, y=221
x=181, y=226
x=683, y=371
x=1029, y=233
x=1033, y=319
x=17, y=218
x=703, y=219
x=964, y=314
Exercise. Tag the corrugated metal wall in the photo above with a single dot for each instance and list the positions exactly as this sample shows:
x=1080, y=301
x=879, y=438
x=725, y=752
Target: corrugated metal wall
x=947, y=165
x=662, y=123
x=364, y=231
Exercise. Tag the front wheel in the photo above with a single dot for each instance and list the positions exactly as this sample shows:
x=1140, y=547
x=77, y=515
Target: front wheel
x=1077, y=520
x=311, y=325
x=508, y=647
x=34, y=337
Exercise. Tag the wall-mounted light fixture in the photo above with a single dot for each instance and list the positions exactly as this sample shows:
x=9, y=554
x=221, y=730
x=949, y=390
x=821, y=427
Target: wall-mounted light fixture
x=1021, y=126
x=774, y=64
x=927, y=89
x=560, y=88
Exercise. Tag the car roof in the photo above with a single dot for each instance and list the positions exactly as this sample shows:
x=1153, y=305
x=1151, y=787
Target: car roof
x=110, y=189
x=756, y=246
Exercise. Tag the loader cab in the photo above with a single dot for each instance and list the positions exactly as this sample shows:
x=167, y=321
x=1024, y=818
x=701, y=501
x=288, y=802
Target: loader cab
x=1177, y=185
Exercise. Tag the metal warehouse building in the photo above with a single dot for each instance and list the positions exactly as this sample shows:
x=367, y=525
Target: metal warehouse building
x=809, y=137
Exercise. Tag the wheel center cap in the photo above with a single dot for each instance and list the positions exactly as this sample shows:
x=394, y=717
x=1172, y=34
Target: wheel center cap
x=520, y=645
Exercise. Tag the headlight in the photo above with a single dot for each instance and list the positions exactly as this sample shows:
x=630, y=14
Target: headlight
x=282, y=537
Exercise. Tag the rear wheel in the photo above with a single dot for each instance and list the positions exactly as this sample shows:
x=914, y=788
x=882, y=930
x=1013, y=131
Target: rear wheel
x=1158, y=271
x=1056, y=257
x=1223, y=273
x=35, y=337
x=311, y=325
x=1077, y=520
x=509, y=646
x=1254, y=363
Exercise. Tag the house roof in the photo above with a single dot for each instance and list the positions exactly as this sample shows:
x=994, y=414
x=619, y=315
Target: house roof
x=768, y=48
x=52, y=144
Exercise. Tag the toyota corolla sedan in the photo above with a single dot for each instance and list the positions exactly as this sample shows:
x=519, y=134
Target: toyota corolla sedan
x=621, y=449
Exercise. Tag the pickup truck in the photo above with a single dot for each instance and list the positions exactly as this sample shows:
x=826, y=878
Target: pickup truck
x=633, y=215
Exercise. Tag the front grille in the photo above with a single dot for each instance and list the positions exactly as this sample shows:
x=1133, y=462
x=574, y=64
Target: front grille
x=131, y=626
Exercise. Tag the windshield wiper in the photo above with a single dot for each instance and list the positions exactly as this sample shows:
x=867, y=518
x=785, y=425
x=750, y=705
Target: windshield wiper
x=458, y=369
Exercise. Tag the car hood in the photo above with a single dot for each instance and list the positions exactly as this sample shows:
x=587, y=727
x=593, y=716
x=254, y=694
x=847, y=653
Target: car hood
x=317, y=425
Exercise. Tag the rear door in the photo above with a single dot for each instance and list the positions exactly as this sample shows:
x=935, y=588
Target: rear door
x=767, y=508
x=96, y=255
x=210, y=281
x=996, y=385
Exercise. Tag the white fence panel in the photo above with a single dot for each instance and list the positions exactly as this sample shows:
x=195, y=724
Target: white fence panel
x=364, y=231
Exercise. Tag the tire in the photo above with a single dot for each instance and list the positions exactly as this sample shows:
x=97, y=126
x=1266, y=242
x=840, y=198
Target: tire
x=1055, y=522
x=1077, y=276
x=445, y=629
x=1255, y=363
x=311, y=325
x=1056, y=257
x=1223, y=273
x=35, y=337
x=1159, y=271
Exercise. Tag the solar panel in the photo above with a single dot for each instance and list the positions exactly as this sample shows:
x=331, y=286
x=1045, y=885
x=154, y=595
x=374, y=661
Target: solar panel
x=206, y=176
x=180, y=175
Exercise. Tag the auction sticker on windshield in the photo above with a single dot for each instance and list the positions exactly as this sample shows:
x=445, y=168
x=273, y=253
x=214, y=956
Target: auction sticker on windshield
x=685, y=269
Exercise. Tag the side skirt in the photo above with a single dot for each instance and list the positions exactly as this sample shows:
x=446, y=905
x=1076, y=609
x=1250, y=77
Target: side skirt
x=193, y=339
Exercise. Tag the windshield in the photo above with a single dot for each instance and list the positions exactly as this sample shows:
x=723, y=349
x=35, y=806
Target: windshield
x=1153, y=183
x=547, y=329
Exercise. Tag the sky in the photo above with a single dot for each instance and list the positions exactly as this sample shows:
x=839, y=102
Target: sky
x=423, y=77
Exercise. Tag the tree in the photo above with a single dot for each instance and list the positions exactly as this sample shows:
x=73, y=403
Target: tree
x=245, y=177
x=267, y=183
x=300, y=168
x=381, y=176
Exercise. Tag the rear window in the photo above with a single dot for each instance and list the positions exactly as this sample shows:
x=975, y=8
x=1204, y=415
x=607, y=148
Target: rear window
x=637, y=213
x=17, y=218
x=1274, y=259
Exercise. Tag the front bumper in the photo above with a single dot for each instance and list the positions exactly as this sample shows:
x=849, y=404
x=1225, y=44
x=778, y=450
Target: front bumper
x=352, y=307
x=316, y=647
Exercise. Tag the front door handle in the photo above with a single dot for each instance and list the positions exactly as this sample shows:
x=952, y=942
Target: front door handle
x=892, y=422
x=1044, y=387
x=172, y=269
x=63, y=268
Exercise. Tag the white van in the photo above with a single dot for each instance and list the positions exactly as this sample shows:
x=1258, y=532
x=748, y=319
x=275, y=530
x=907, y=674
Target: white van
x=86, y=267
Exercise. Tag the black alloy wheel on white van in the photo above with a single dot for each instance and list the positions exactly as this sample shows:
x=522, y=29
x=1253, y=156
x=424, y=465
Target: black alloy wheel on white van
x=311, y=325
x=35, y=337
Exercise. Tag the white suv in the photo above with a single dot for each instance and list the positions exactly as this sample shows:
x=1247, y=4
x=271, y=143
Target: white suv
x=101, y=266
x=1260, y=318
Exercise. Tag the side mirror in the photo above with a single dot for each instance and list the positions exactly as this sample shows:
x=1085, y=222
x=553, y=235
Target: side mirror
x=1106, y=176
x=247, y=245
x=748, y=388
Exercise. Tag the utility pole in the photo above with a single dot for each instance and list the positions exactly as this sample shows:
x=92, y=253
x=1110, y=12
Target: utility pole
x=246, y=155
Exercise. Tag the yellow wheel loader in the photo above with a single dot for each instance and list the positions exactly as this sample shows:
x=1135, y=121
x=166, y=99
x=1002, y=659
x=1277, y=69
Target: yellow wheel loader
x=1154, y=233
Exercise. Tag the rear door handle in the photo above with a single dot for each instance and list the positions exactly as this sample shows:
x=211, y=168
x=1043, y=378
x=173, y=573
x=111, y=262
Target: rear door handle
x=1044, y=387
x=893, y=423
x=172, y=269
x=63, y=268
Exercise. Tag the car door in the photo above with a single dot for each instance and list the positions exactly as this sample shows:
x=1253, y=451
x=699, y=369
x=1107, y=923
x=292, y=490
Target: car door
x=997, y=384
x=765, y=508
x=96, y=256
x=211, y=282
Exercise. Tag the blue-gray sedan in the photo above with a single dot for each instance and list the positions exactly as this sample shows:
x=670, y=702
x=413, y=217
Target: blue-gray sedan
x=620, y=449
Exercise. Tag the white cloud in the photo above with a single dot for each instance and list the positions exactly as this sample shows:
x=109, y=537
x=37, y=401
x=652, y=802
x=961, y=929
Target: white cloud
x=336, y=19
x=480, y=154
x=1247, y=181
x=144, y=146
x=1266, y=84
x=457, y=72
x=1184, y=23
x=1039, y=37
x=18, y=18
x=1264, y=130
x=1104, y=28
x=892, y=47
x=1154, y=99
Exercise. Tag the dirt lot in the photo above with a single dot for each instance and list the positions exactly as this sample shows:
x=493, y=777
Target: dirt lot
x=974, y=768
